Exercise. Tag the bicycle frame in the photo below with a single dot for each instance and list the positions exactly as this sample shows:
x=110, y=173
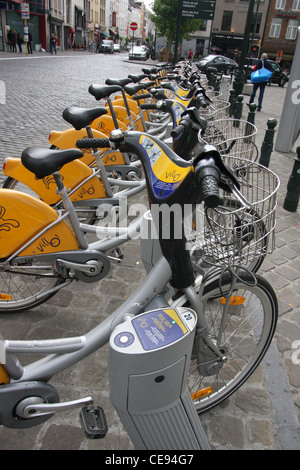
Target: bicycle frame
x=63, y=353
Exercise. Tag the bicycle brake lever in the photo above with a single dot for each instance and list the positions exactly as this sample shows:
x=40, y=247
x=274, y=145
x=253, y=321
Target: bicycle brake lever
x=239, y=195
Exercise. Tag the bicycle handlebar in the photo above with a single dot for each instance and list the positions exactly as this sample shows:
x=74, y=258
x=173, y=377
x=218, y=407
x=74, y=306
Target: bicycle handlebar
x=206, y=170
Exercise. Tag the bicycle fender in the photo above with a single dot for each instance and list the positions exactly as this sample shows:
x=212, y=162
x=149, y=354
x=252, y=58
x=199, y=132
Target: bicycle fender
x=106, y=124
x=23, y=217
x=73, y=174
x=122, y=116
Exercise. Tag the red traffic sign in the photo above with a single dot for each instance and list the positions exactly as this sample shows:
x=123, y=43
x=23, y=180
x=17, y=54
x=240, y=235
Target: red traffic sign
x=133, y=26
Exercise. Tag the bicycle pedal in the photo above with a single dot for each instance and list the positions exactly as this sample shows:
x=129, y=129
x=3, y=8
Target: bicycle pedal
x=93, y=422
x=117, y=254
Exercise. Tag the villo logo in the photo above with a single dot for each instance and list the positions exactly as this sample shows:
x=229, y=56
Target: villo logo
x=7, y=224
x=296, y=94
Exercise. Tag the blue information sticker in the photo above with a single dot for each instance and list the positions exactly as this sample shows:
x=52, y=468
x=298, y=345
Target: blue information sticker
x=158, y=328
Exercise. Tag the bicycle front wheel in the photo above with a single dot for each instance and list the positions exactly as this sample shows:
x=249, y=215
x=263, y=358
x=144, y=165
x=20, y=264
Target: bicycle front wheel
x=243, y=335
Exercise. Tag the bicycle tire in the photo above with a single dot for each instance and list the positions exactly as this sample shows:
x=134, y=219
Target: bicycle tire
x=27, y=289
x=248, y=334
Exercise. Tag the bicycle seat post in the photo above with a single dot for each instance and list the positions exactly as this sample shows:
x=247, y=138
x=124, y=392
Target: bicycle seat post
x=112, y=111
x=63, y=192
x=128, y=109
x=100, y=164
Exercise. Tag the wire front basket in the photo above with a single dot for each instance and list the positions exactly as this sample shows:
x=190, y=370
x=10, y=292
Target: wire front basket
x=232, y=138
x=217, y=109
x=237, y=233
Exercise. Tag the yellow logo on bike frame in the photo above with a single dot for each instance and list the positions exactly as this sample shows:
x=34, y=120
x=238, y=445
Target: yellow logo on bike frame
x=162, y=166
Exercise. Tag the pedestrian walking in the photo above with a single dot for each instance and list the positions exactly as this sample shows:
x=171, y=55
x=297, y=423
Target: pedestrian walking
x=19, y=41
x=53, y=43
x=190, y=56
x=263, y=62
x=9, y=40
x=13, y=40
x=29, y=43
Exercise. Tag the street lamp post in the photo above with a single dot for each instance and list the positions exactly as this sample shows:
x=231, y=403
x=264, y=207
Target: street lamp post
x=238, y=83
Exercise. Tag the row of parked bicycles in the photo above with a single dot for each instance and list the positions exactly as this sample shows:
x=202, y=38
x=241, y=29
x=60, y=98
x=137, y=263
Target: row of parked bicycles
x=208, y=228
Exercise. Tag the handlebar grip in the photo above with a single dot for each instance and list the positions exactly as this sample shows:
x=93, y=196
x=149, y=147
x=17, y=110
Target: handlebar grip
x=92, y=143
x=178, y=130
x=148, y=106
x=141, y=97
x=201, y=102
x=210, y=191
x=208, y=175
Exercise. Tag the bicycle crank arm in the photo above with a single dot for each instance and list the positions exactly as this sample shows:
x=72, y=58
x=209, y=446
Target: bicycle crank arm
x=90, y=267
x=32, y=407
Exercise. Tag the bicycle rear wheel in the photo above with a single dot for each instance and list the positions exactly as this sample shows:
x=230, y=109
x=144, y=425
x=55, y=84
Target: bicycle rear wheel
x=245, y=337
x=27, y=288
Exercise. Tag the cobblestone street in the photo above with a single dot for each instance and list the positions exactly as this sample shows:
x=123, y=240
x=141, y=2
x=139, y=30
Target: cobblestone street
x=265, y=412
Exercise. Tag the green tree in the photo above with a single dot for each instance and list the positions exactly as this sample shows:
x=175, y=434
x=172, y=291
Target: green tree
x=165, y=19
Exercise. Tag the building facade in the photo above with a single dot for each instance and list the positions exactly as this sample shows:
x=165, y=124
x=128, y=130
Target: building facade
x=75, y=23
x=273, y=28
x=281, y=30
x=229, y=25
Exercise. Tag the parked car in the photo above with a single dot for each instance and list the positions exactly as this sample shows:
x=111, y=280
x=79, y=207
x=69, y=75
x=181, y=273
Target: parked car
x=106, y=45
x=138, y=52
x=279, y=76
x=250, y=64
x=130, y=45
x=221, y=63
x=117, y=48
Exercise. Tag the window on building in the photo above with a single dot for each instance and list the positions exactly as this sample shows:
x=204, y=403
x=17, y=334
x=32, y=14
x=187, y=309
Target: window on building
x=226, y=20
x=275, y=28
x=291, y=31
x=256, y=22
x=296, y=5
x=280, y=4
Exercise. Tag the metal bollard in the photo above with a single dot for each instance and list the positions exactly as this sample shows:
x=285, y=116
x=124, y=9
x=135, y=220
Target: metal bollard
x=251, y=114
x=212, y=80
x=238, y=109
x=267, y=145
x=210, y=71
x=217, y=84
x=250, y=118
x=293, y=187
x=232, y=102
